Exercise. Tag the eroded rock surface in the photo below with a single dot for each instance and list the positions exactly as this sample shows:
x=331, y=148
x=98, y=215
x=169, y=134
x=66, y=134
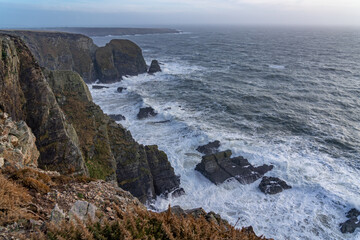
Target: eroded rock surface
x=273, y=185
x=220, y=166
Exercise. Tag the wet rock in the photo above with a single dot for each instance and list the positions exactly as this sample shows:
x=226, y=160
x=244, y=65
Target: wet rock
x=178, y=192
x=273, y=185
x=210, y=148
x=117, y=117
x=120, y=89
x=154, y=67
x=57, y=215
x=146, y=112
x=219, y=167
x=352, y=223
x=99, y=87
x=82, y=210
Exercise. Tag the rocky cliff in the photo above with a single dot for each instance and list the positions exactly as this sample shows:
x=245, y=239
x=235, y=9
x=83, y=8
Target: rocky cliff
x=72, y=133
x=76, y=52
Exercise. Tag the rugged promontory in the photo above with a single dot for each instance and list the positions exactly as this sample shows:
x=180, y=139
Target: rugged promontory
x=76, y=52
x=72, y=133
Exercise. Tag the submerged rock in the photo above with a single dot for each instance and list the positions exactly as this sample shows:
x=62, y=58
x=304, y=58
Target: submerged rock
x=219, y=167
x=99, y=87
x=154, y=67
x=352, y=223
x=146, y=112
x=210, y=148
x=120, y=89
x=273, y=185
x=117, y=117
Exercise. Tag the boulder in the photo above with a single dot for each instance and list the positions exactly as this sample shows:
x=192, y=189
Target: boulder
x=210, y=148
x=352, y=223
x=154, y=67
x=117, y=117
x=220, y=166
x=273, y=185
x=57, y=215
x=120, y=89
x=82, y=210
x=146, y=112
x=99, y=87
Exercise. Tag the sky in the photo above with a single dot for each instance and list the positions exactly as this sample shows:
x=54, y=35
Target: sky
x=122, y=13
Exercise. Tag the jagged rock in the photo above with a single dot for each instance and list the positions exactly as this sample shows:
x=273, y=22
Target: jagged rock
x=210, y=148
x=117, y=117
x=272, y=185
x=57, y=215
x=117, y=59
x=26, y=96
x=154, y=67
x=83, y=210
x=219, y=167
x=17, y=144
x=111, y=151
x=99, y=87
x=146, y=112
x=352, y=223
x=120, y=89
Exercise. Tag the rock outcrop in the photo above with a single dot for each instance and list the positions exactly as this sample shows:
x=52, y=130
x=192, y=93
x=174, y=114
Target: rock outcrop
x=146, y=112
x=220, y=166
x=26, y=95
x=117, y=59
x=17, y=144
x=154, y=67
x=352, y=223
x=273, y=185
x=109, y=150
x=210, y=148
x=76, y=52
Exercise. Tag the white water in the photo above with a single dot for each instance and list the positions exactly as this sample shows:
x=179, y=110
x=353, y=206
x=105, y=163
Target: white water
x=312, y=209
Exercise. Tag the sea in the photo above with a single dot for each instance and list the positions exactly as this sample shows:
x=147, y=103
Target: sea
x=284, y=96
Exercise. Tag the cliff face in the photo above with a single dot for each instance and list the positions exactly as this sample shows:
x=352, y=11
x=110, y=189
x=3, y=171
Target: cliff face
x=109, y=150
x=25, y=95
x=76, y=52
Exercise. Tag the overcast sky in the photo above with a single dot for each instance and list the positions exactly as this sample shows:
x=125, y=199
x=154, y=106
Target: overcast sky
x=45, y=13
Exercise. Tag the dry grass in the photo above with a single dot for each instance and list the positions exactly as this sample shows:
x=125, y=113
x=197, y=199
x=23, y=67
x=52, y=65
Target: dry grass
x=13, y=200
x=147, y=225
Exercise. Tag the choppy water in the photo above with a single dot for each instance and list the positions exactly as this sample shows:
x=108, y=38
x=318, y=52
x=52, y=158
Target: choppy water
x=287, y=97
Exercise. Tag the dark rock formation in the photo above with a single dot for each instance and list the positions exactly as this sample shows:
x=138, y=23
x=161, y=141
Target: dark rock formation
x=99, y=87
x=120, y=89
x=110, y=151
x=119, y=58
x=117, y=117
x=154, y=67
x=273, y=185
x=26, y=95
x=146, y=112
x=76, y=52
x=352, y=223
x=210, y=148
x=219, y=167
x=61, y=51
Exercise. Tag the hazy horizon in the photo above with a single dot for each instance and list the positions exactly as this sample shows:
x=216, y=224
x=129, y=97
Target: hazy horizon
x=136, y=13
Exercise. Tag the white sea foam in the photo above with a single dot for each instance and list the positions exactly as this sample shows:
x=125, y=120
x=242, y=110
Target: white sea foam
x=279, y=67
x=312, y=209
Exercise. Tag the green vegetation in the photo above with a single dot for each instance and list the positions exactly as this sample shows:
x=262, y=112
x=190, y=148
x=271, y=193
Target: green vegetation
x=3, y=55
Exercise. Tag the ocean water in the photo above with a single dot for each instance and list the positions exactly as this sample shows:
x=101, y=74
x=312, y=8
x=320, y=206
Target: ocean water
x=287, y=97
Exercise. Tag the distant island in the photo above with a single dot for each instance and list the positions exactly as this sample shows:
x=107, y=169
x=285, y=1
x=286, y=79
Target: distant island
x=101, y=32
